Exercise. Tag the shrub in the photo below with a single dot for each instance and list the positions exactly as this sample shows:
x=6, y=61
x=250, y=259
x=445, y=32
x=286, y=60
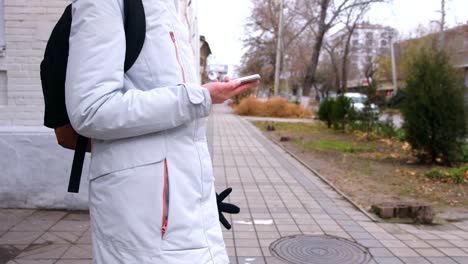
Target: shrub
x=250, y=106
x=325, y=111
x=401, y=134
x=434, y=109
x=386, y=129
x=341, y=111
x=397, y=100
x=274, y=107
x=337, y=112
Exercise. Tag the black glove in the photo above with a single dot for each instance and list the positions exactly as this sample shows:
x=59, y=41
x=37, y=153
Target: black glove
x=225, y=207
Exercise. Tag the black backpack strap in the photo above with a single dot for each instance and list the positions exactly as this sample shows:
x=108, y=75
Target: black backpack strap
x=77, y=166
x=135, y=30
x=135, y=33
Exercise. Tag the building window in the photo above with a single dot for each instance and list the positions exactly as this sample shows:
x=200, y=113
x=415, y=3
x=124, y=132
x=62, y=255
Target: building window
x=369, y=35
x=383, y=43
x=355, y=42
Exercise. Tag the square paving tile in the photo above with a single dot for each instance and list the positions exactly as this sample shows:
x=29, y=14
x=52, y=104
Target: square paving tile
x=439, y=243
x=403, y=252
x=429, y=252
x=86, y=238
x=32, y=261
x=414, y=260
x=251, y=260
x=47, y=215
x=361, y=235
x=43, y=251
x=75, y=226
x=392, y=243
x=461, y=260
x=441, y=260
x=77, y=216
x=384, y=260
x=416, y=244
x=24, y=238
x=380, y=252
x=58, y=238
x=453, y=252
x=248, y=251
x=246, y=242
x=74, y=261
x=274, y=260
x=369, y=243
x=33, y=225
x=78, y=252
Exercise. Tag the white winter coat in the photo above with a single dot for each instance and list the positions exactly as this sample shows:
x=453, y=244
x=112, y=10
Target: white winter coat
x=152, y=197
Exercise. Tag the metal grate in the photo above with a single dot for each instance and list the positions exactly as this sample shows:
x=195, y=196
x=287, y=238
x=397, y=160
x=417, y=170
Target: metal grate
x=311, y=249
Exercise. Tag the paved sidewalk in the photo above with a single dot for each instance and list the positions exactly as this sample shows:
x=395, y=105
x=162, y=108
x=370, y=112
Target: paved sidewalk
x=278, y=197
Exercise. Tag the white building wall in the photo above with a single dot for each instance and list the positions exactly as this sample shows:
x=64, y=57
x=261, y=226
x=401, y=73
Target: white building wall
x=27, y=25
x=34, y=169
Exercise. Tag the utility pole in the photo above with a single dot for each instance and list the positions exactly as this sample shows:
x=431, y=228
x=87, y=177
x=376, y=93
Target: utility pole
x=394, y=72
x=278, y=49
x=442, y=25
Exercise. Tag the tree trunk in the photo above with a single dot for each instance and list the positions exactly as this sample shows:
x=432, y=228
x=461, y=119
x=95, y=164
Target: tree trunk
x=312, y=68
x=322, y=29
x=344, y=65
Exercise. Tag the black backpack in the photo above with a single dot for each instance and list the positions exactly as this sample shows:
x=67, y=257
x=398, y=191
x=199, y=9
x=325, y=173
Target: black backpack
x=54, y=67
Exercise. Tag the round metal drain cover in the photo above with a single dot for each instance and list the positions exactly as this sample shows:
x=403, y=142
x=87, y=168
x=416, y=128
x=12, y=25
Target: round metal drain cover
x=309, y=249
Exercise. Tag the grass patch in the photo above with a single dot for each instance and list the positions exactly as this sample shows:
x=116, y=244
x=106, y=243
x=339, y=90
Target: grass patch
x=407, y=190
x=456, y=175
x=341, y=146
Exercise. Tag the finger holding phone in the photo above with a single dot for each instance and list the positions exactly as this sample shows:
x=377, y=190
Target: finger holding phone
x=220, y=92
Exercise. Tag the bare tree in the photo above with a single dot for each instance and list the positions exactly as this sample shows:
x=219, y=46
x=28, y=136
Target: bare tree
x=306, y=22
x=351, y=20
x=335, y=62
x=263, y=32
x=328, y=13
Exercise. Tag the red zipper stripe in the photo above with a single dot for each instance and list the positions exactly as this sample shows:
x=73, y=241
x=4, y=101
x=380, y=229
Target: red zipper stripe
x=177, y=55
x=165, y=200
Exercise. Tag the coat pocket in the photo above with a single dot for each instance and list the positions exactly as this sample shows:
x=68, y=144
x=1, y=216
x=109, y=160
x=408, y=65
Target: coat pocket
x=110, y=156
x=125, y=208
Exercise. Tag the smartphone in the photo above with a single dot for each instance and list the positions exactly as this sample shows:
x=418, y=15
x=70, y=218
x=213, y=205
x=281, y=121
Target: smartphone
x=250, y=78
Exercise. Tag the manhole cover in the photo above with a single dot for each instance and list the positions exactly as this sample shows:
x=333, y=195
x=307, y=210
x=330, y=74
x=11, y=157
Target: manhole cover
x=308, y=249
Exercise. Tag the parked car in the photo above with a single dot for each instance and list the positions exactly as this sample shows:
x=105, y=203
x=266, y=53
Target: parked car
x=358, y=101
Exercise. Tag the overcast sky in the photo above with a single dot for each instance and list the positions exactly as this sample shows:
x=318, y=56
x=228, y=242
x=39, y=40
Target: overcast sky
x=222, y=21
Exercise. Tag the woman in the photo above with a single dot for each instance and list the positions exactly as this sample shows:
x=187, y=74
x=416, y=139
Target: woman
x=152, y=197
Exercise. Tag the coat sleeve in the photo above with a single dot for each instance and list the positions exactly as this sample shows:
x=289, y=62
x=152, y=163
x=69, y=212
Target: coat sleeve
x=98, y=104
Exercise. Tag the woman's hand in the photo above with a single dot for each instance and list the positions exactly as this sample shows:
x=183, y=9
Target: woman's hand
x=220, y=92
